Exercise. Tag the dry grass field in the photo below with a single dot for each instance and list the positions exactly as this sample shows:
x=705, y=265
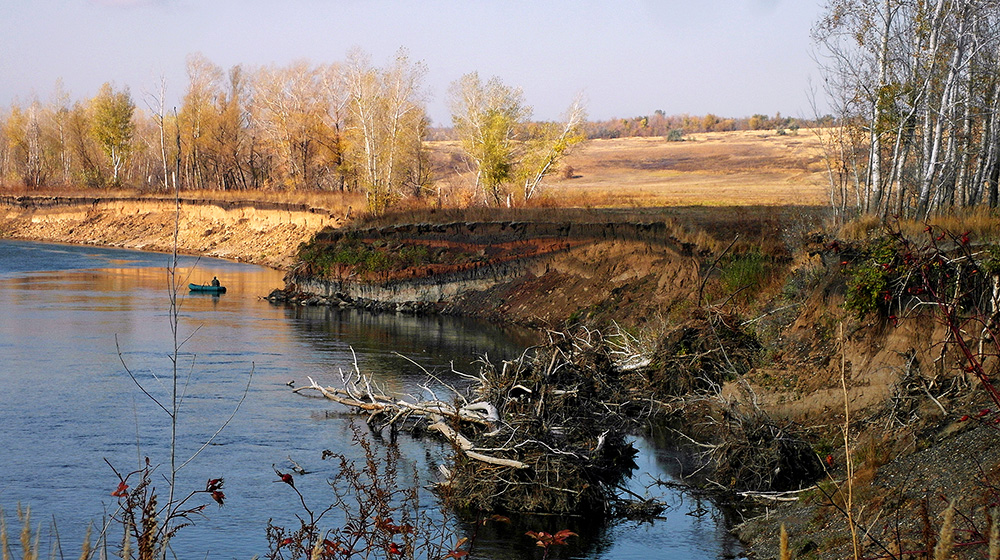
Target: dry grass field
x=713, y=169
x=716, y=169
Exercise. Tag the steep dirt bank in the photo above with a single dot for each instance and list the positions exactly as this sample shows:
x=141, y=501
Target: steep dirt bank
x=256, y=232
x=890, y=394
x=533, y=273
x=542, y=267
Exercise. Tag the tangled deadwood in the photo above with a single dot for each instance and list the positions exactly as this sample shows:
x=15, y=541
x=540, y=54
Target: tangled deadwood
x=544, y=433
x=699, y=355
x=746, y=450
x=755, y=453
x=564, y=413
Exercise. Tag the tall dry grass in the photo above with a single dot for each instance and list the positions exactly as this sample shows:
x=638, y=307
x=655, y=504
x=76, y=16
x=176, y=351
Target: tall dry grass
x=30, y=539
x=783, y=551
x=994, y=550
x=981, y=224
x=946, y=539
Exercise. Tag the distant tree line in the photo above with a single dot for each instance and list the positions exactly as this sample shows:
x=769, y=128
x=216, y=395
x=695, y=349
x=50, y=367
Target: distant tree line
x=349, y=126
x=916, y=86
x=674, y=127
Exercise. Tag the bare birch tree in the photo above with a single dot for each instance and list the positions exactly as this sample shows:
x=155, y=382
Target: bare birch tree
x=387, y=120
x=197, y=111
x=919, y=79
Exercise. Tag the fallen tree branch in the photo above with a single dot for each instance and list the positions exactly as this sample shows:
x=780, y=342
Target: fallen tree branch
x=336, y=395
x=379, y=403
x=466, y=446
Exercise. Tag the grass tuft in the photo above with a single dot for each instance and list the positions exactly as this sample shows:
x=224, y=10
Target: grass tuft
x=946, y=539
x=785, y=553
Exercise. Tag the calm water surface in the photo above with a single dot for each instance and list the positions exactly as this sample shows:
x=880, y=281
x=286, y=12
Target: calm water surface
x=75, y=320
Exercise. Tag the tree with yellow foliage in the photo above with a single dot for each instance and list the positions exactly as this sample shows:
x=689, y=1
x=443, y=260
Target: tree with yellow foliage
x=113, y=128
x=491, y=120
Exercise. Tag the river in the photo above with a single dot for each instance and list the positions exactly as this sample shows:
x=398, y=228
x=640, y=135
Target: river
x=77, y=324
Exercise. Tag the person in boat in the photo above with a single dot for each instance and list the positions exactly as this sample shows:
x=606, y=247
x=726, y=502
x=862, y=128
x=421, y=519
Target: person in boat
x=215, y=282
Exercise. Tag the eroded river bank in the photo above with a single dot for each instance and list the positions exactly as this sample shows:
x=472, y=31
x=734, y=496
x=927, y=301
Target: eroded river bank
x=916, y=432
x=60, y=335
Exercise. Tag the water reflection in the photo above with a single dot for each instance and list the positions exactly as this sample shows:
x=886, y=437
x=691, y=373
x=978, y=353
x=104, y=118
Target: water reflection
x=399, y=348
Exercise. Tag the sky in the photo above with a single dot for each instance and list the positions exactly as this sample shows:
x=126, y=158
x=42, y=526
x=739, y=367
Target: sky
x=627, y=58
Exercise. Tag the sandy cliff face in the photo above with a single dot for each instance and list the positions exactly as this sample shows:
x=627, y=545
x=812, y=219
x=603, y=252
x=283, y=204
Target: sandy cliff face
x=266, y=234
x=535, y=273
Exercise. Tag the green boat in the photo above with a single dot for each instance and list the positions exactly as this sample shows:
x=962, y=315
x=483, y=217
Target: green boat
x=206, y=289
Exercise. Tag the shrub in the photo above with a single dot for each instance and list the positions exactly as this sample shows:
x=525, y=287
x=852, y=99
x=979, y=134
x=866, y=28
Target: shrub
x=868, y=281
x=867, y=292
x=743, y=276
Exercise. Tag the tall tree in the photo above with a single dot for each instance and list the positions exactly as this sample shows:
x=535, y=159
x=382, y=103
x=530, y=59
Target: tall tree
x=113, y=127
x=232, y=145
x=487, y=118
x=83, y=145
x=915, y=84
x=5, y=150
x=491, y=121
x=293, y=111
x=197, y=115
x=387, y=121
x=554, y=142
x=156, y=104
x=59, y=116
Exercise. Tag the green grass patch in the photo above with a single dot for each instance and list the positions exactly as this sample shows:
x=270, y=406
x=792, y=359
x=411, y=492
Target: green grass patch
x=356, y=256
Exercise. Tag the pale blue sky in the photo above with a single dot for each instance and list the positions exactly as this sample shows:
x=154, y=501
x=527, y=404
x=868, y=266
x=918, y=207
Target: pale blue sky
x=628, y=57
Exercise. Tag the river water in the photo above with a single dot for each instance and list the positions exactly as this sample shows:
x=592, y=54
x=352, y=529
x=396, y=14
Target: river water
x=74, y=321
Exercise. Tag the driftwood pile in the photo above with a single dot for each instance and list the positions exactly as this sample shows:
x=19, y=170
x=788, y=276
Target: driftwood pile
x=701, y=354
x=742, y=449
x=544, y=433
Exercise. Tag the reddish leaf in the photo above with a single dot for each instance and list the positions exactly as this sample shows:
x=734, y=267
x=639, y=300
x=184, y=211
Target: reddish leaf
x=286, y=478
x=561, y=536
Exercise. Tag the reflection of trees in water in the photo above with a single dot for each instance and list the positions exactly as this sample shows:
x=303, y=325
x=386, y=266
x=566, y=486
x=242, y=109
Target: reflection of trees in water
x=434, y=342
x=679, y=459
x=148, y=275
